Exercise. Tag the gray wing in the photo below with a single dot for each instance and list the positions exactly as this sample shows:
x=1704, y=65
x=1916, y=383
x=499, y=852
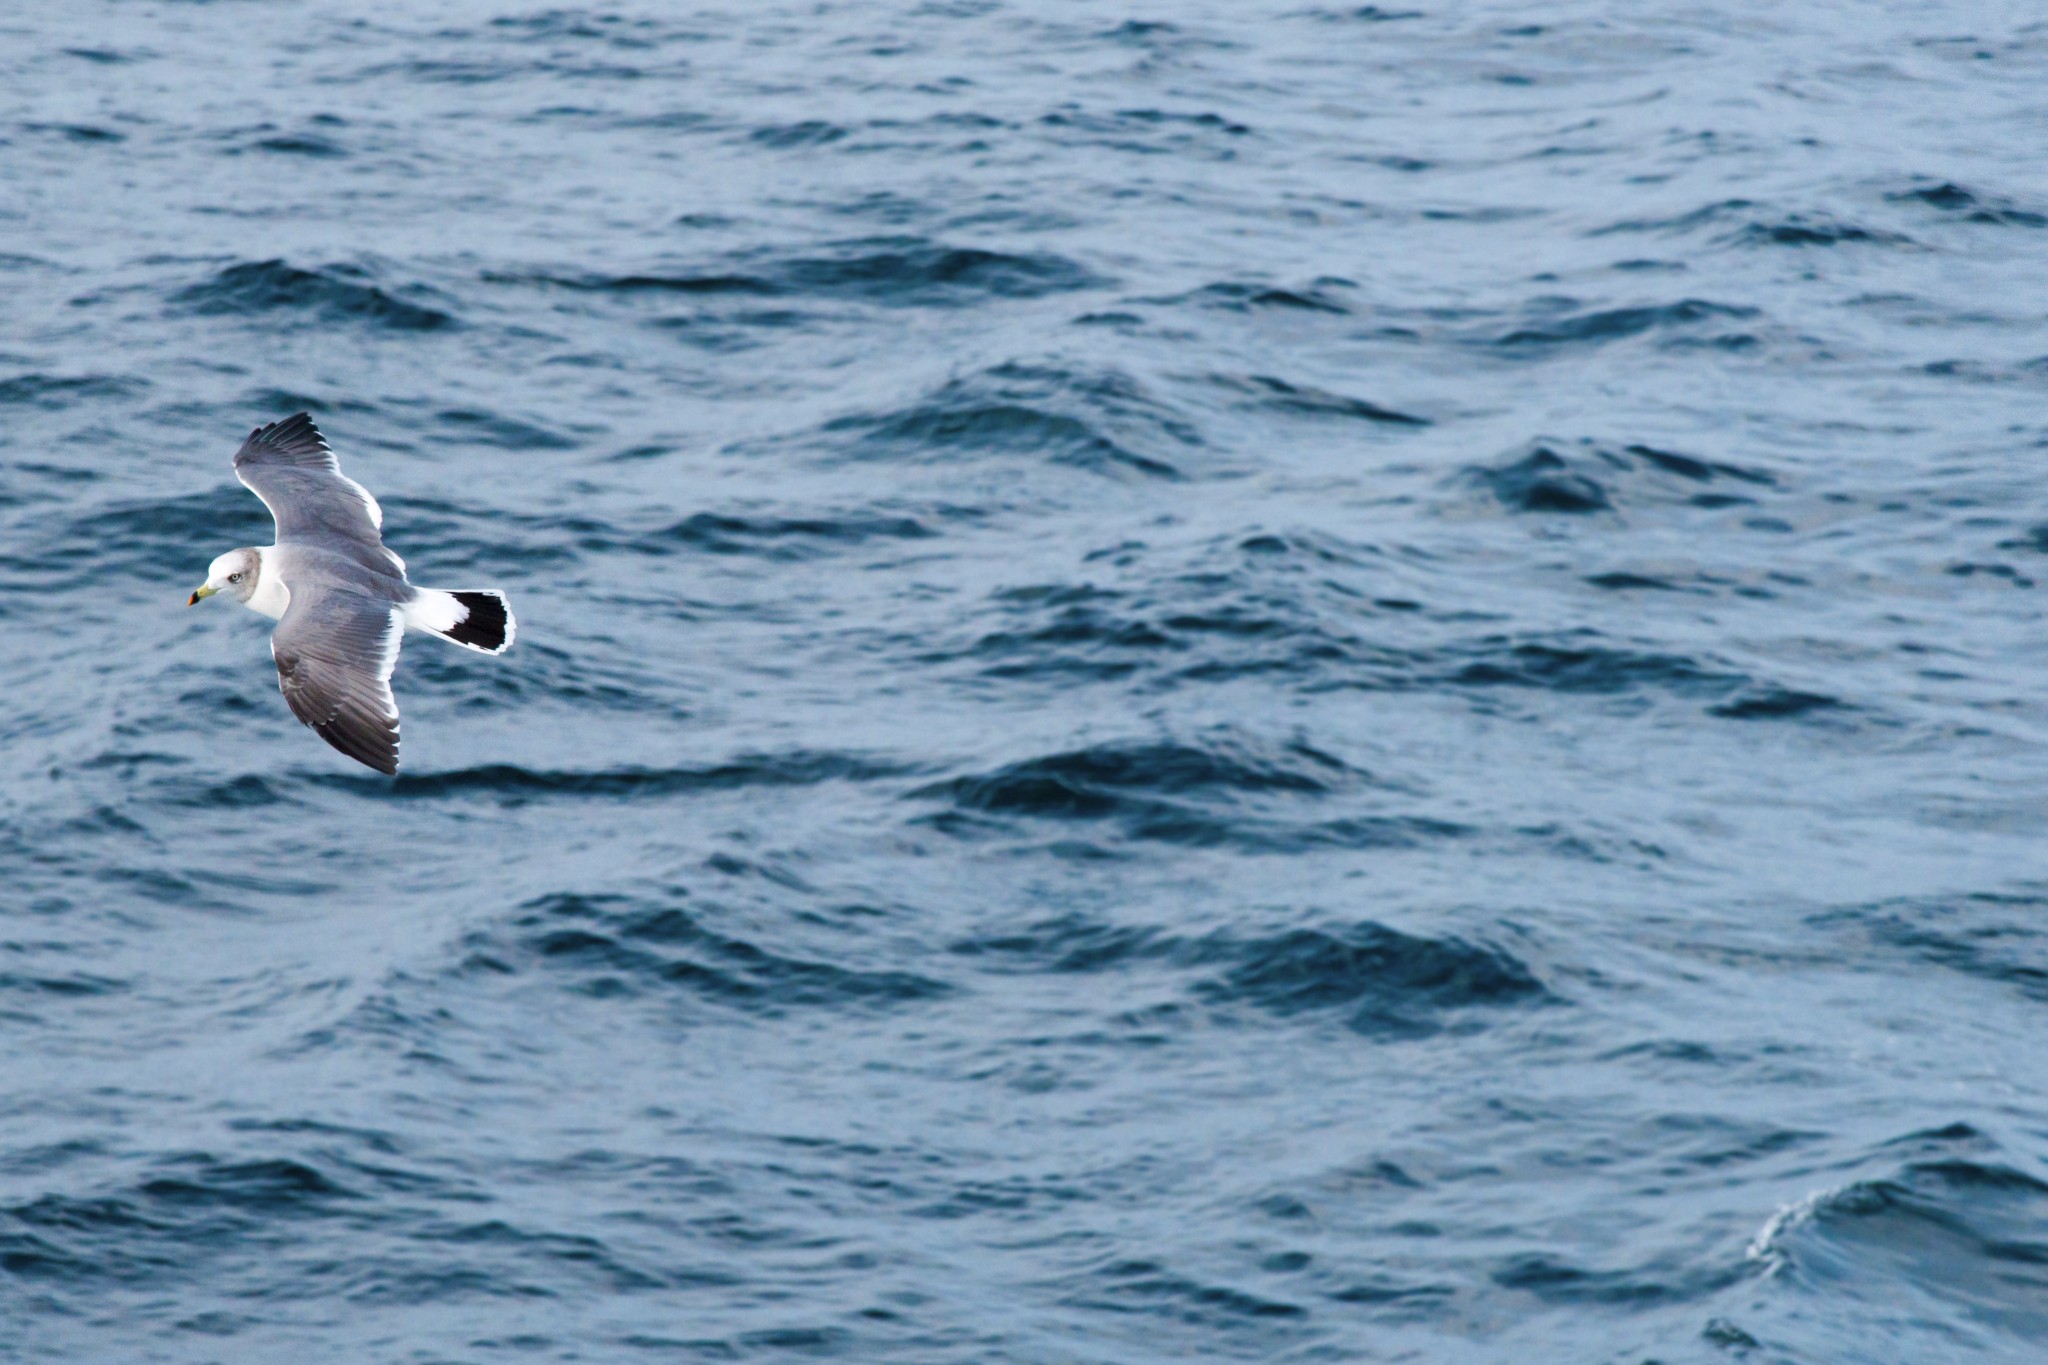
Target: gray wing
x=288, y=465
x=335, y=649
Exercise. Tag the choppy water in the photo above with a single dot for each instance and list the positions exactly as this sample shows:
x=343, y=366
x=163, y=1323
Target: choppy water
x=1282, y=683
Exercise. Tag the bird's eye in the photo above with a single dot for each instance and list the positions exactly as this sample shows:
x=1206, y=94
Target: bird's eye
x=234, y=578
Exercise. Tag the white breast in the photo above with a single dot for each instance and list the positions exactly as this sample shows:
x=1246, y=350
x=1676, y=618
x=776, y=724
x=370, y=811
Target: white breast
x=271, y=596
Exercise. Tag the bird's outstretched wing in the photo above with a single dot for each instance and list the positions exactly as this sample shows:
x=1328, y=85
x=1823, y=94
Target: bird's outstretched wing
x=289, y=466
x=335, y=649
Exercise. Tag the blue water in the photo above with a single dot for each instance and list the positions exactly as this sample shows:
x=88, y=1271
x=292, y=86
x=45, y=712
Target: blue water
x=1218, y=682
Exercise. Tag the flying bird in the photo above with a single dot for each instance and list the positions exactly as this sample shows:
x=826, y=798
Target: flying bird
x=340, y=599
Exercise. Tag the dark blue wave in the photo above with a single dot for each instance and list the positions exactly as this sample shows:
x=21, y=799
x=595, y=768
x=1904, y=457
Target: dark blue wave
x=909, y=271
x=1378, y=981
x=1104, y=422
x=334, y=293
x=614, y=947
x=1601, y=325
x=800, y=768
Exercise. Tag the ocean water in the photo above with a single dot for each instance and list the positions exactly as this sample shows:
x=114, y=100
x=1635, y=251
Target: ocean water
x=1268, y=682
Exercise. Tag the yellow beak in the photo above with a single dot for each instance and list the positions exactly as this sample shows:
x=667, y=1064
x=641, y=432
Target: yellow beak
x=198, y=593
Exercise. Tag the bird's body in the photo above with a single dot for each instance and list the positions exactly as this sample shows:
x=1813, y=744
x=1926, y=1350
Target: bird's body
x=340, y=598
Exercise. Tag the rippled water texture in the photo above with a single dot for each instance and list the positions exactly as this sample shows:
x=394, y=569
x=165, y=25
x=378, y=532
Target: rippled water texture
x=1220, y=682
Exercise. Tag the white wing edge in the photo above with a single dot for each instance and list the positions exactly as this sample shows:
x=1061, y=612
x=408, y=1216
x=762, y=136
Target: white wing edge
x=376, y=511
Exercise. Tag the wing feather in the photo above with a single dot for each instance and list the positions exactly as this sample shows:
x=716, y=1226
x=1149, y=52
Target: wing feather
x=288, y=464
x=335, y=650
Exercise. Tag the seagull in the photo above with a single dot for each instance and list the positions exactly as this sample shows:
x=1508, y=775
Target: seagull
x=339, y=598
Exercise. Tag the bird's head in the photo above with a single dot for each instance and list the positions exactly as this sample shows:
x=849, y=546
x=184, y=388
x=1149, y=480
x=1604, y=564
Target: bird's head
x=234, y=572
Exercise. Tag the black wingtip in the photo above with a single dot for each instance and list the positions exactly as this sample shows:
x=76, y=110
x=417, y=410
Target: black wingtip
x=293, y=441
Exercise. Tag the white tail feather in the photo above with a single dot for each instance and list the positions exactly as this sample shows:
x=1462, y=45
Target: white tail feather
x=475, y=618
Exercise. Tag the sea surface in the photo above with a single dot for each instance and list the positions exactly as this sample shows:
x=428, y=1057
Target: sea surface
x=1208, y=682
